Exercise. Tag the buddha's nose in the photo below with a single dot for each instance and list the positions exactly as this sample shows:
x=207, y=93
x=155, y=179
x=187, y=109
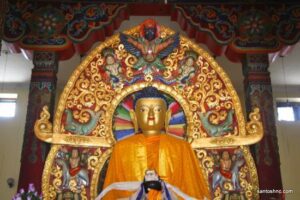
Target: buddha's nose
x=151, y=114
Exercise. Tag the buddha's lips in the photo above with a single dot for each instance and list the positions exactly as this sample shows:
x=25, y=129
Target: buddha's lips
x=150, y=118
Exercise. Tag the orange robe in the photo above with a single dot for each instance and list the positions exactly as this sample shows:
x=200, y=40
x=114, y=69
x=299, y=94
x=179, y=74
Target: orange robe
x=172, y=158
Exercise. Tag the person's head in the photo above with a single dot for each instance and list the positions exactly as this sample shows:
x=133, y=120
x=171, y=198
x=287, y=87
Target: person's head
x=110, y=59
x=108, y=53
x=189, y=61
x=225, y=155
x=190, y=58
x=150, y=113
x=149, y=29
x=74, y=153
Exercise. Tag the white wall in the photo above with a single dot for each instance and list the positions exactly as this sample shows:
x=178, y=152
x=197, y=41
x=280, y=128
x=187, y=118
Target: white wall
x=11, y=140
x=289, y=145
x=288, y=139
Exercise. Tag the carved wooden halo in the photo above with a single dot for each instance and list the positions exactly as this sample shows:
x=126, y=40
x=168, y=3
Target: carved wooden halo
x=115, y=38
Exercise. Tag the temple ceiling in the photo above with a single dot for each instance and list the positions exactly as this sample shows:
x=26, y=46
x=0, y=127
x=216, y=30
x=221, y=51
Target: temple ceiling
x=230, y=29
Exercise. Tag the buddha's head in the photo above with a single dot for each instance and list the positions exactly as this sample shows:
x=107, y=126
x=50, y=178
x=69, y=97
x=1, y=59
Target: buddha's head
x=150, y=113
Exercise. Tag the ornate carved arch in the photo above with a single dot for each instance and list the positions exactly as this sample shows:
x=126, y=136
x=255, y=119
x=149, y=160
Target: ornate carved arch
x=83, y=123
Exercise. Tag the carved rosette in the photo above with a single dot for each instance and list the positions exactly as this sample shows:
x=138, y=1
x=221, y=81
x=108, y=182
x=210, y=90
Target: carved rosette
x=85, y=115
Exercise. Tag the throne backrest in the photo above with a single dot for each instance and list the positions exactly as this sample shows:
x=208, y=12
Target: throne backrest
x=206, y=111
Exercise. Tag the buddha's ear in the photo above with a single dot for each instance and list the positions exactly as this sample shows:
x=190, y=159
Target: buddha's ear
x=167, y=119
x=134, y=120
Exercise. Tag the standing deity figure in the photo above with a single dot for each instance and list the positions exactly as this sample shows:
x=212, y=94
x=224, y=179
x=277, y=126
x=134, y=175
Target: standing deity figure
x=74, y=161
x=149, y=47
x=153, y=148
x=229, y=171
x=72, y=169
x=225, y=165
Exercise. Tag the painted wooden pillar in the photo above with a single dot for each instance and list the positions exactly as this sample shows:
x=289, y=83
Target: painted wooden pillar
x=42, y=92
x=3, y=8
x=258, y=90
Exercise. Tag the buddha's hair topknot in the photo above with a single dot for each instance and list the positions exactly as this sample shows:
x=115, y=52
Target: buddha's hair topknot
x=149, y=92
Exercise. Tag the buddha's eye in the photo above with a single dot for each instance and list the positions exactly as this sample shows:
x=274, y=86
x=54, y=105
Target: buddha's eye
x=157, y=109
x=143, y=109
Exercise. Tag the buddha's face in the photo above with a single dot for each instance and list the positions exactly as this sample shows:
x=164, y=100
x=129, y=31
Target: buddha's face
x=151, y=114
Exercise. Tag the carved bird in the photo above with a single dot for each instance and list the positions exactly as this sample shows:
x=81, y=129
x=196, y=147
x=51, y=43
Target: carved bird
x=149, y=53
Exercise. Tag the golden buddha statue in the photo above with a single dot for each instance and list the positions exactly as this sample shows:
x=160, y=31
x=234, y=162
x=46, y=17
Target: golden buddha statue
x=152, y=148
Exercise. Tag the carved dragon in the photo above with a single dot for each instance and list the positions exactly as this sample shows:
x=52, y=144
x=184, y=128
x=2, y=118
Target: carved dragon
x=217, y=130
x=79, y=128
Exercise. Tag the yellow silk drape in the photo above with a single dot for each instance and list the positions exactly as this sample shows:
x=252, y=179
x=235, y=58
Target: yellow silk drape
x=172, y=158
